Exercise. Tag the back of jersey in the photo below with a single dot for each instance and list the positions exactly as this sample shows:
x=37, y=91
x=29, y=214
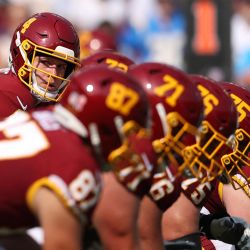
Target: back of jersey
x=37, y=151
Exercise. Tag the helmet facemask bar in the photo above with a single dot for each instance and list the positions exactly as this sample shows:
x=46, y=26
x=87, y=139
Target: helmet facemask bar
x=241, y=149
x=127, y=164
x=127, y=129
x=28, y=69
x=203, y=158
x=178, y=131
x=235, y=162
x=236, y=174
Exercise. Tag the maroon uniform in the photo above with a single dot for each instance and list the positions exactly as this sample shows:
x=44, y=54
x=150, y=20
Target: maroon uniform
x=207, y=244
x=166, y=188
x=214, y=204
x=14, y=94
x=38, y=151
x=198, y=193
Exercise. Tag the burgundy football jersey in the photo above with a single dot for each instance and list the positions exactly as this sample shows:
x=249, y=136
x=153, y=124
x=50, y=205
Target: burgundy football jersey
x=166, y=187
x=198, y=193
x=14, y=94
x=206, y=243
x=214, y=204
x=134, y=164
x=35, y=151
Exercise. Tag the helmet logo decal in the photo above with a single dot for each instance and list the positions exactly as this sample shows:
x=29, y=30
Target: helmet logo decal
x=77, y=101
x=27, y=24
x=209, y=100
x=162, y=115
x=170, y=83
x=241, y=105
x=121, y=98
x=115, y=64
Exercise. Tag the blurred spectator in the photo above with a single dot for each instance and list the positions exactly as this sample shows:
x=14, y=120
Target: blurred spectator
x=3, y=7
x=86, y=14
x=208, y=49
x=240, y=37
x=101, y=38
x=242, y=70
x=160, y=37
x=14, y=13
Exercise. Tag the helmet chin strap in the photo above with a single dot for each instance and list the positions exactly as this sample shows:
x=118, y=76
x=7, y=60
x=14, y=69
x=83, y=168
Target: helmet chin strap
x=41, y=90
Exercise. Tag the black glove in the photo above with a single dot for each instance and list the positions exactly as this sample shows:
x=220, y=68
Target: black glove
x=187, y=242
x=205, y=222
x=228, y=229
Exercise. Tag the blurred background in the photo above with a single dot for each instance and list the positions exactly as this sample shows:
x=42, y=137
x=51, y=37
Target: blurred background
x=210, y=37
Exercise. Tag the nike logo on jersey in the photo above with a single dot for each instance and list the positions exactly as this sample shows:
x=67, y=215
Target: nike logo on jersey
x=20, y=102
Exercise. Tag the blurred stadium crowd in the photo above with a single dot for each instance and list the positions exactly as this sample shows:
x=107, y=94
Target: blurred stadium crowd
x=144, y=30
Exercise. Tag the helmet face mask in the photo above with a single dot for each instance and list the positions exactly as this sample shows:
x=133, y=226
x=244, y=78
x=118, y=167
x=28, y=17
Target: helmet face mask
x=237, y=163
x=216, y=134
x=42, y=35
x=204, y=157
x=179, y=134
x=240, y=155
x=179, y=131
x=27, y=73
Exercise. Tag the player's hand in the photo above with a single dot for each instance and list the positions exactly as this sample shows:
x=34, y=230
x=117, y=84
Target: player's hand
x=230, y=230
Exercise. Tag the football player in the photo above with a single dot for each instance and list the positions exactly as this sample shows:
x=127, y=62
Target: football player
x=111, y=59
x=53, y=154
x=177, y=111
x=44, y=51
x=96, y=40
x=237, y=163
x=116, y=202
x=233, y=199
x=213, y=140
